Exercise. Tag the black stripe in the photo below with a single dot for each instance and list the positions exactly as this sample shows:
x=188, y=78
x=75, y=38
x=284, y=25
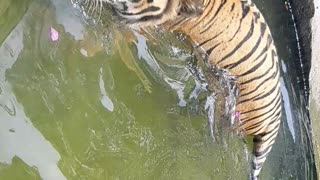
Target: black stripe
x=245, y=12
x=243, y=59
x=259, y=77
x=199, y=21
x=246, y=57
x=245, y=9
x=249, y=99
x=148, y=18
x=209, y=51
x=263, y=28
x=265, y=106
x=259, y=116
x=204, y=42
x=271, y=91
x=275, y=107
x=210, y=22
x=227, y=28
x=274, y=119
x=256, y=16
x=273, y=132
x=218, y=10
x=262, y=154
x=177, y=23
x=264, y=81
x=232, y=7
x=254, y=68
x=152, y=17
x=149, y=9
x=249, y=34
x=269, y=41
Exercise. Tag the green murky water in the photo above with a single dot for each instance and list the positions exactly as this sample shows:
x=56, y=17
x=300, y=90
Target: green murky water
x=78, y=109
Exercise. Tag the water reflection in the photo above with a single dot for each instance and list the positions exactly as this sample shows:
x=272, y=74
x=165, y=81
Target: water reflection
x=287, y=104
x=105, y=100
x=18, y=137
x=67, y=17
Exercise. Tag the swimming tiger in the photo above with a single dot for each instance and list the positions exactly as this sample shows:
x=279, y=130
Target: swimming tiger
x=234, y=36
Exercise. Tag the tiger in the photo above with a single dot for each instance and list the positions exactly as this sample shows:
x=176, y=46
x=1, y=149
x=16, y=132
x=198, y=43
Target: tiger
x=234, y=36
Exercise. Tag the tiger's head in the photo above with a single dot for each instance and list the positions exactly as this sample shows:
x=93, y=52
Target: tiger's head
x=154, y=12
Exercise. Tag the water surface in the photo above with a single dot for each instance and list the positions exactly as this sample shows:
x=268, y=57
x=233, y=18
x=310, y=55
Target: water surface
x=79, y=109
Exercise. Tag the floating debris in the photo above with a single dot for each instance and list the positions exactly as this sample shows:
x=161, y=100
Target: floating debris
x=53, y=34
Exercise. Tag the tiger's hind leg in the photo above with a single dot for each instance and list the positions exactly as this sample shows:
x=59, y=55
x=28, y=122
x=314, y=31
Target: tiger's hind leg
x=262, y=145
x=259, y=155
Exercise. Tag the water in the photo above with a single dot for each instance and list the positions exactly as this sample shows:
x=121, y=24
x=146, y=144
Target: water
x=105, y=104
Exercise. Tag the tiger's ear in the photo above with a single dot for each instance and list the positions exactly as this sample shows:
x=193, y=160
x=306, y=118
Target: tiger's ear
x=190, y=8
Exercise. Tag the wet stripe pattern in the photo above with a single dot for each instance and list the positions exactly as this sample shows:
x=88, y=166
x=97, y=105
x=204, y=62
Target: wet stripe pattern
x=235, y=36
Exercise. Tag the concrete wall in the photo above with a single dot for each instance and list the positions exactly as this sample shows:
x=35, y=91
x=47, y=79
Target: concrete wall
x=307, y=15
x=315, y=83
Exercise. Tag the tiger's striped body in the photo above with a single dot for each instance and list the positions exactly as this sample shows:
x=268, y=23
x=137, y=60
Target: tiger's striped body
x=235, y=37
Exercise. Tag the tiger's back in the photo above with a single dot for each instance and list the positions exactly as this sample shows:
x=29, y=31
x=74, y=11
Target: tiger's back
x=235, y=37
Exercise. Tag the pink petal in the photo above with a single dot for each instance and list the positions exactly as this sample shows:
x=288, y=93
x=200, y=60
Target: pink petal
x=236, y=115
x=54, y=35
